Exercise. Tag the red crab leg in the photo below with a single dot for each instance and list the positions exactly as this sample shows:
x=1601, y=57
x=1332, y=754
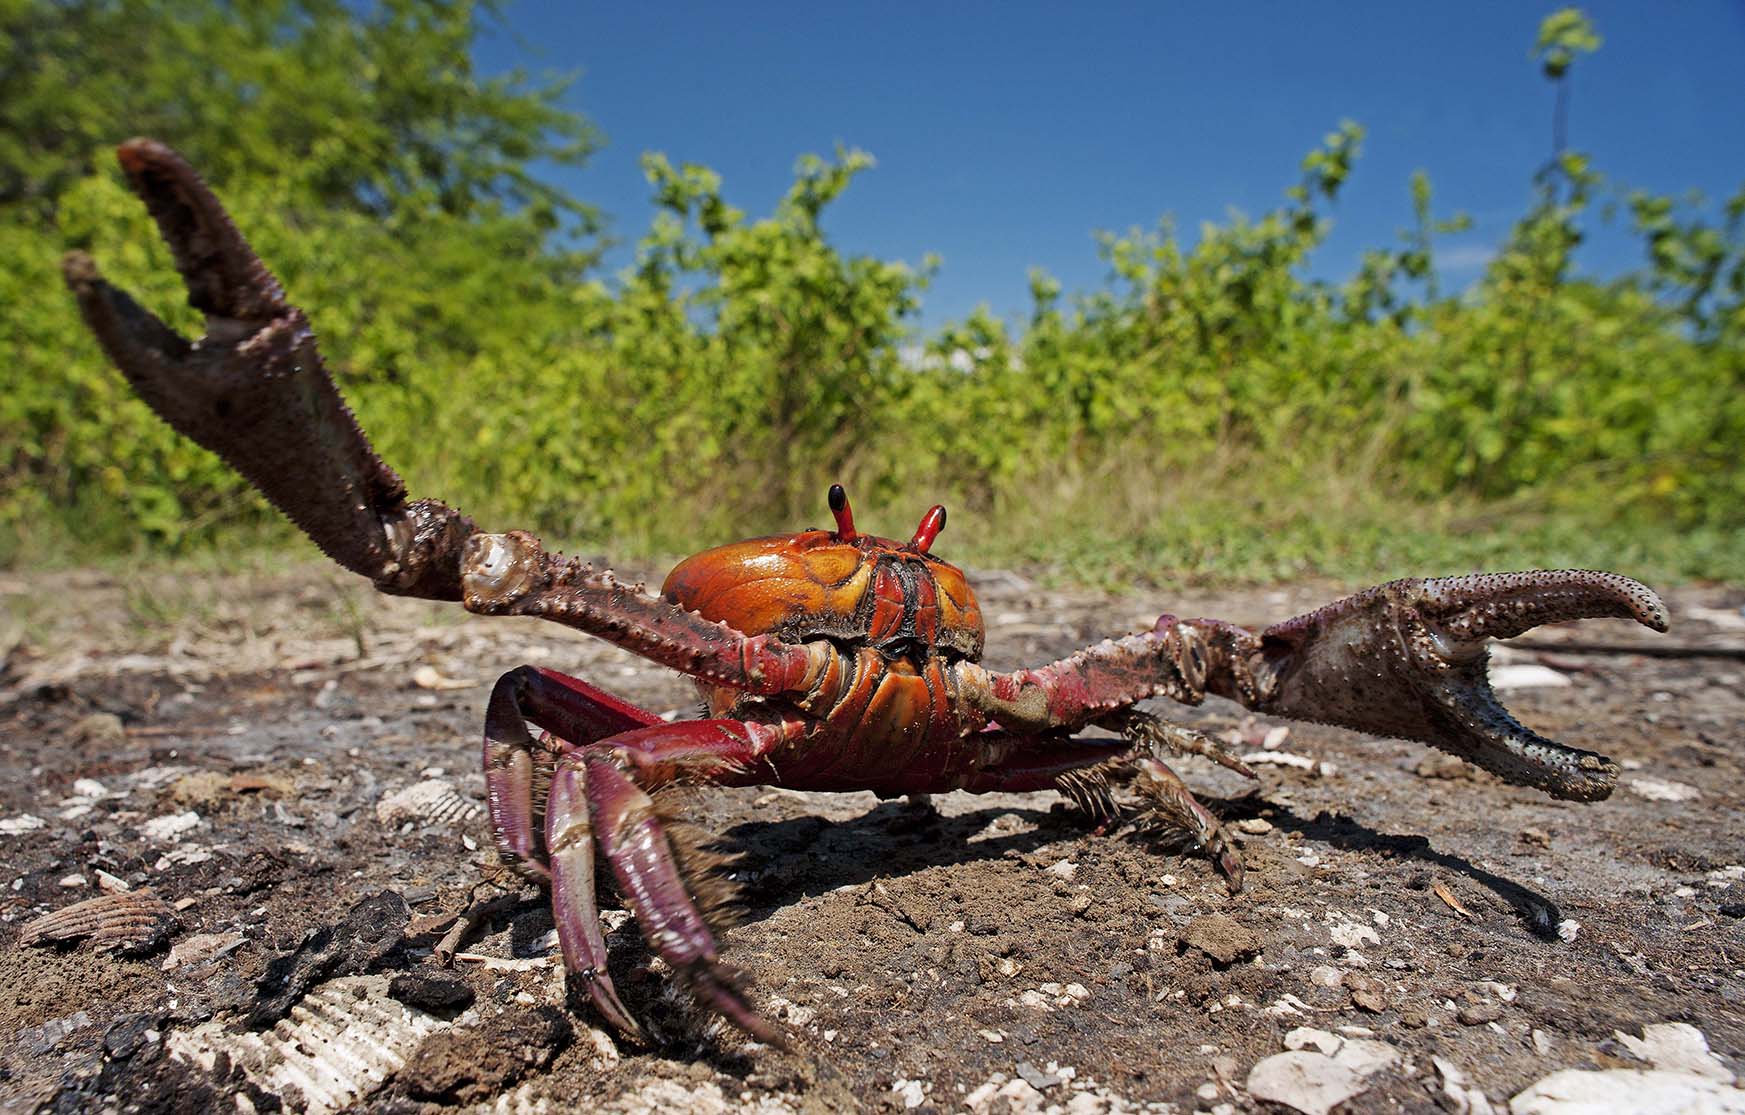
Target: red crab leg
x=1404, y=659
x=1016, y=764
x=613, y=778
x=574, y=711
x=659, y=753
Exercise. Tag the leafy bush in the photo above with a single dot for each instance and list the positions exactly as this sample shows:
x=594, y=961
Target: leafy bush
x=1207, y=408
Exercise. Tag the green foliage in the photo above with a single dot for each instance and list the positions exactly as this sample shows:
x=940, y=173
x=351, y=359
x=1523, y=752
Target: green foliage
x=1207, y=409
x=1562, y=35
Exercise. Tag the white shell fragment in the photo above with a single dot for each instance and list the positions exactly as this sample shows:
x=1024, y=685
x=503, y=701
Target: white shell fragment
x=1527, y=675
x=127, y=920
x=341, y=1043
x=1321, y=1071
x=1687, y=1079
x=1677, y=1047
x=1584, y=1092
x=433, y=801
x=1662, y=789
x=170, y=827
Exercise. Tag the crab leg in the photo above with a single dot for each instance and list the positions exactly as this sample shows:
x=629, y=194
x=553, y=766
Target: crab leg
x=1404, y=659
x=600, y=793
x=575, y=712
x=1079, y=769
x=602, y=730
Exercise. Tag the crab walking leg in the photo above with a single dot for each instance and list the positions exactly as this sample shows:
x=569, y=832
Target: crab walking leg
x=569, y=835
x=637, y=848
x=1404, y=659
x=1078, y=768
x=575, y=712
x=1175, y=805
x=593, y=778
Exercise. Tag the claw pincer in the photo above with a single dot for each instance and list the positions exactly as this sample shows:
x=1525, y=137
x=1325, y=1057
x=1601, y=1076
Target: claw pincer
x=828, y=660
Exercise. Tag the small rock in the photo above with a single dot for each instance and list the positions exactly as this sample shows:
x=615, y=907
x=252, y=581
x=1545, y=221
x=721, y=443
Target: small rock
x=1445, y=767
x=1064, y=869
x=1463, y=1098
x=1538, y=838
x=438, y=994
x=1254, y=826
x=1325, y=975
x=429, y=677
x=1662, y=789
x=170, y=827
x=1527, y=675
x=1035, y=1077
x=99, y=727
x=1367, y=993
x=1311, y=1083
x=1476, y=1011
x=201, y=948
x=1220, y=938
x=43, y=1039
x=23, y=823
x=1414, y=1018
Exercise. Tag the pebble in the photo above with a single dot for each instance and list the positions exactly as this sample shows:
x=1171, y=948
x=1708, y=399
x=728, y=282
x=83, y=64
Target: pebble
x=1254, y=826
x=1035, y=1077
x=1475, y=1011
x=171, y=826
x=1220, y=938
x=1662, y=789
x=1325, y=975
x=1367, y=993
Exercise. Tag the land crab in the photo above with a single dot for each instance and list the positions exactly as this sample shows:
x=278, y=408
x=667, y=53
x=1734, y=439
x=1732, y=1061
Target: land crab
x=828, y=659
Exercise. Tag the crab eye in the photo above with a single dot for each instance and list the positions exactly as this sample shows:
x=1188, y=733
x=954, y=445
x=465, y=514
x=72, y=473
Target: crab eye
x=931, y=524
x=844, y=513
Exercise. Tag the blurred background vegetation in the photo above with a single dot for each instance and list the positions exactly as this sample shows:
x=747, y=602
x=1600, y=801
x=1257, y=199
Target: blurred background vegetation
x=1207, y=412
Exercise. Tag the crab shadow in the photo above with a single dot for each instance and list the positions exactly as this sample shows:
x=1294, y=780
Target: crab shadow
x=784, y=861
x=1538, y=914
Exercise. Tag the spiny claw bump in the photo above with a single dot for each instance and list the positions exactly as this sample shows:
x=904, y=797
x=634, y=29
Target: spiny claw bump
x=1407, y=659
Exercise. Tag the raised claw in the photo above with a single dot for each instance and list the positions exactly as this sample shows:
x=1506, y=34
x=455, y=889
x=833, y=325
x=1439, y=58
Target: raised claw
x=254, y=390
x=1407, y=659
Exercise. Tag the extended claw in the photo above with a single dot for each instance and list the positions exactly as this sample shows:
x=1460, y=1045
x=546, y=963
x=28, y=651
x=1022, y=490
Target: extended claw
x=253, y=389
x=1407, y=659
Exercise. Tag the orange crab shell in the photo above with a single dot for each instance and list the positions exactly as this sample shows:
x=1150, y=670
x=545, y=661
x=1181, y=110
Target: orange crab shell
x=814, y=585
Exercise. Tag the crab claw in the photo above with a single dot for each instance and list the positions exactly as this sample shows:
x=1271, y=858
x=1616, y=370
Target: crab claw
x=1407, y=659
x=253, y=389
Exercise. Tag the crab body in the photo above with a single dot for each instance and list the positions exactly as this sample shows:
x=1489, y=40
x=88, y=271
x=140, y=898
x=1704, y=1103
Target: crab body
x=897, y=618
x=827, y=660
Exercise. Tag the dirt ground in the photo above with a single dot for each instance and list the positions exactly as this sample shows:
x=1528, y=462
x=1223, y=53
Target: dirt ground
x=289, y=764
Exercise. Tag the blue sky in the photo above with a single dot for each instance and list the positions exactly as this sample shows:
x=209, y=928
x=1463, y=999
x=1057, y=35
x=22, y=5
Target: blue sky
x=1007, y=133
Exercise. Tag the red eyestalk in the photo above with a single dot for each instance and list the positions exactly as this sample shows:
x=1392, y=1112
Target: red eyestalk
x=844, y=514
x=931, y=524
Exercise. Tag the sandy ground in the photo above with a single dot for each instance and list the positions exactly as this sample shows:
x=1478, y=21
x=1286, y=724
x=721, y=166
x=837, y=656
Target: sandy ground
x=288, y=764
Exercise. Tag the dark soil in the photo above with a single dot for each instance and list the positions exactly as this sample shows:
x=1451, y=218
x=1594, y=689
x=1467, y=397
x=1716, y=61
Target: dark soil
x=923, y=956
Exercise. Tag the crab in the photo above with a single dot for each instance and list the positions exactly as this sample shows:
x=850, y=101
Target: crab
x=828, y=660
